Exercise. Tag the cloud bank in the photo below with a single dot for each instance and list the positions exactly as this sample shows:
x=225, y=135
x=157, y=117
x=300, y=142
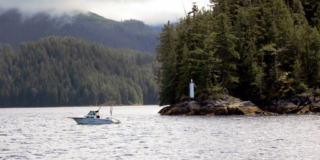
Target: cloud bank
x=152, y=12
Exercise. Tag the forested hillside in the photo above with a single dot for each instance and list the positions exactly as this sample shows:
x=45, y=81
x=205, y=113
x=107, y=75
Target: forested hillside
x=131, y=34
x=252, y=49
x=58, y=71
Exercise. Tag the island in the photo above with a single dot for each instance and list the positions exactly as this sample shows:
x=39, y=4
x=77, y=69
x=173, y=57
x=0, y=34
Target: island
x=245, y=58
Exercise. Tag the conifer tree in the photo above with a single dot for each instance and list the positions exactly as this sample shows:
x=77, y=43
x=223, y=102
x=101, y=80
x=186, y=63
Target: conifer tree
x=225, y=50
x=183, y=30
x=316, y=19
x=166, y=57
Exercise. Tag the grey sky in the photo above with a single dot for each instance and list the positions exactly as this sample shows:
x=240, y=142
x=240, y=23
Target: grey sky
x=151, y=12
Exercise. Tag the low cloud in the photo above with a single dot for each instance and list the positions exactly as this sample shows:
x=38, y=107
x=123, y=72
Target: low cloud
x=151, y=12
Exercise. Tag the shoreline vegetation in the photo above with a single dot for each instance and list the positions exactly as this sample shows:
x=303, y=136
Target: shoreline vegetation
x=245, y=58
x=65, y=71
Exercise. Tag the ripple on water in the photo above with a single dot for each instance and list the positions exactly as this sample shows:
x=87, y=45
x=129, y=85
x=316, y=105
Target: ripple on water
x=143, y=134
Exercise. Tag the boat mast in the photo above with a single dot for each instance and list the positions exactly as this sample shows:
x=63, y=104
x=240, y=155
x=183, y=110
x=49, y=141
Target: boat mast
x=111, y=108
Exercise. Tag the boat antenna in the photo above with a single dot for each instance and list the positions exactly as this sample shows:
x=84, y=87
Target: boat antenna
x=97, y=104
x=111, y=108
x=97, y=101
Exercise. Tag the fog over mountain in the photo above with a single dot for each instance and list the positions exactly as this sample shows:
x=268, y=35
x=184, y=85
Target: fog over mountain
x=132, y=34
x=151, y=12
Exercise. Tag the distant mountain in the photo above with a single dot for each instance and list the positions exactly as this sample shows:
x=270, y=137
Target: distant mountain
x=130, y=34
x=158, y=27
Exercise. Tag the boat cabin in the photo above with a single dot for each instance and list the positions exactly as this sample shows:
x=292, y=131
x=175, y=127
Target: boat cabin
x=93, y=114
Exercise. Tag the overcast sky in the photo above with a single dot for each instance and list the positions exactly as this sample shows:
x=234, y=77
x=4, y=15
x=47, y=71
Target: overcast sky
x=152, y=12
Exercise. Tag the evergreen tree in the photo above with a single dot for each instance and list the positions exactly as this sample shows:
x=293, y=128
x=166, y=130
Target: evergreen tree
x=225, y=50
x=58, y=71
x=166, y=73
x=261, y=49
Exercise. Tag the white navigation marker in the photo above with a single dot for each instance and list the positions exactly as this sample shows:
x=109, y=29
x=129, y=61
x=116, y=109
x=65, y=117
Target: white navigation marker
x=192, y=85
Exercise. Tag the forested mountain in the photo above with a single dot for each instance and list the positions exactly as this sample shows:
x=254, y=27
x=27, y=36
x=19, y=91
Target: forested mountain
x=58, y=71
x=254, y=49
x=131, y=34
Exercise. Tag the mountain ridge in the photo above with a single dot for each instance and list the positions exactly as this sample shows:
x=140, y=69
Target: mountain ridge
x=130, y=34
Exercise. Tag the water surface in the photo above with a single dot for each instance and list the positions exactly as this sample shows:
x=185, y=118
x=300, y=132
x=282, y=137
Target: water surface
x=47, y=133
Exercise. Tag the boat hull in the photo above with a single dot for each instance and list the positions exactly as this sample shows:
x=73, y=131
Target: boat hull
x=81, y=120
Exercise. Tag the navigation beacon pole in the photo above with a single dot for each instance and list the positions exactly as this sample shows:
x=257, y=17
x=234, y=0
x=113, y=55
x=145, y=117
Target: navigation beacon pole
x=192, y=85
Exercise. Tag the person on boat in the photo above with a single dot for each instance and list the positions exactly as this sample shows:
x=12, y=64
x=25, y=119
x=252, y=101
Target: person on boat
x=97, y=113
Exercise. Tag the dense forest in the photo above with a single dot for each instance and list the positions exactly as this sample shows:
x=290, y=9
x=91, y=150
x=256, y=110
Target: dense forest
x=131, y=34
x=58, y=71
x=252, y=49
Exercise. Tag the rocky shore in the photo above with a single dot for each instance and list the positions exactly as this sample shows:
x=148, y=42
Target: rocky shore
x=235, y=106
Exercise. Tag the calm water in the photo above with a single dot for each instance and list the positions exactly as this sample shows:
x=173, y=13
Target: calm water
x=47, y=133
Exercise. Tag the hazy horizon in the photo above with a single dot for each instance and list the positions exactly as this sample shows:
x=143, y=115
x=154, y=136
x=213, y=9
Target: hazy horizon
x=151, y=12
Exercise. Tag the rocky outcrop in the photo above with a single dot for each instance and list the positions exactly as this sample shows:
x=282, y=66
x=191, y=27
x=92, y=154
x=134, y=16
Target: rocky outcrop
x=294, y=105
x=223, y=106
x=235, y=106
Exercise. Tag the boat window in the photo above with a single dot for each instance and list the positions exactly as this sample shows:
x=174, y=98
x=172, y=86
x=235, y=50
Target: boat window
x=91, y=113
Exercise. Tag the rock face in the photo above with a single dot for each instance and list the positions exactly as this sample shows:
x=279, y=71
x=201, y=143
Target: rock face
x=235, y=106
x=296, y=105
x=223, y=106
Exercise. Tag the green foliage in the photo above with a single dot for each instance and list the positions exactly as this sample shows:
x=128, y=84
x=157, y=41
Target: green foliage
x=316, y=92
x=285, y=87
x=58, y=71
x=255, y=49
x=166, y=72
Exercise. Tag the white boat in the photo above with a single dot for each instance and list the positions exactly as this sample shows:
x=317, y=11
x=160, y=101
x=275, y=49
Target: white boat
x=93, y=117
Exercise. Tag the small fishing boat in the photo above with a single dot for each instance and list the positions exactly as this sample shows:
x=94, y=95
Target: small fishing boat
x=93, y=117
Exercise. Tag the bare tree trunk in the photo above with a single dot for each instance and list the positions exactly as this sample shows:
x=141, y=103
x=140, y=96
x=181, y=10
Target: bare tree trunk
x=260, y=86
x=275, y=66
